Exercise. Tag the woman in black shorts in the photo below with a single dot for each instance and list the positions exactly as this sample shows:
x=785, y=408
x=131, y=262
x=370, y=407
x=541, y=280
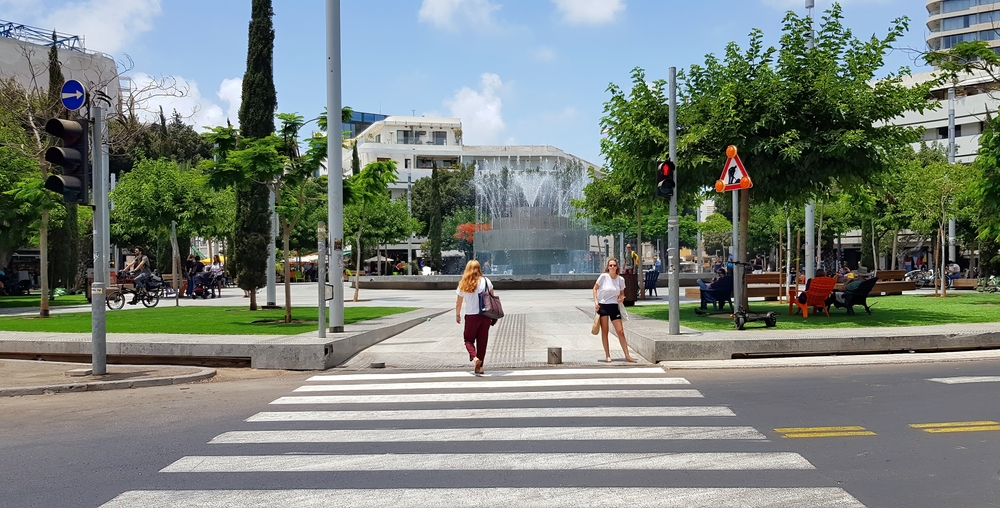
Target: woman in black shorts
x=609, y=291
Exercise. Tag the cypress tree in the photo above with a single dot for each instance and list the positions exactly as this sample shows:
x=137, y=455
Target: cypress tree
x=355, y=161
x=252, y=234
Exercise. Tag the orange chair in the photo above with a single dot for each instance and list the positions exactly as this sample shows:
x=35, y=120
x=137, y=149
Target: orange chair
x=819, y=290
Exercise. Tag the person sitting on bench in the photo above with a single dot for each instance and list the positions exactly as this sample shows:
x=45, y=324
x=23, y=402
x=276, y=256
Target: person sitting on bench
x=718, y=291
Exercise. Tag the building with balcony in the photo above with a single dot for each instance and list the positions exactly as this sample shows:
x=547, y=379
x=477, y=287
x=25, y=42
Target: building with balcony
x=952, y=21
x=418, y=144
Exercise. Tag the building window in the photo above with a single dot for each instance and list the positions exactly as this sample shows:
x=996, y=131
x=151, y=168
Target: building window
x=440, y=138
x=943, y=132
x=383, y=159
x=406, y=163
x=405, y=137
x=958, y=22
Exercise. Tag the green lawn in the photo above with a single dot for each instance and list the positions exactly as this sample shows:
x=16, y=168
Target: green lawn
x=7, y=302
x=904, y=310
x=193, y=320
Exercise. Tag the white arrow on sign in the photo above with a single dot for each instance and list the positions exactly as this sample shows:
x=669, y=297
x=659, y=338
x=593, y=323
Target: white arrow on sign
x=76, y=95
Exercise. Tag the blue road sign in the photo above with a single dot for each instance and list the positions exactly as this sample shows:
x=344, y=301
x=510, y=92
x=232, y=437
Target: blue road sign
x=73, y=95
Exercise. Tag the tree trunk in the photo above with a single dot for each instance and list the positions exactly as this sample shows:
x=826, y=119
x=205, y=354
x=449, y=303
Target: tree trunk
x=43, y=247
x=253, y=299
x=638, y=249
x=286, y=233
x=895, y=248
x=357, y=262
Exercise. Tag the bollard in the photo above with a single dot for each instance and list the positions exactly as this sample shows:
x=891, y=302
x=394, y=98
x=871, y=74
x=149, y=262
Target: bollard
x=555, y=355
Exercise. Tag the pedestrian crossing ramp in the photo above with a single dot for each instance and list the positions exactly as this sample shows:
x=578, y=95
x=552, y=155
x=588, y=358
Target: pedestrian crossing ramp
x=630, y=437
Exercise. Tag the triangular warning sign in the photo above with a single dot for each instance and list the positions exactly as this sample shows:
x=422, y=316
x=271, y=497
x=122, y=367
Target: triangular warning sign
x=734, y=176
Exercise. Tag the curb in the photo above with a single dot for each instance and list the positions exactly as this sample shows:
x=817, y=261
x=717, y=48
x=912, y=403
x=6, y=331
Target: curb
x=204, y=373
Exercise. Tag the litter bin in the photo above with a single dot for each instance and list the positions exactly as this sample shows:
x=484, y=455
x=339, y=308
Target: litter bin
x=631, y=288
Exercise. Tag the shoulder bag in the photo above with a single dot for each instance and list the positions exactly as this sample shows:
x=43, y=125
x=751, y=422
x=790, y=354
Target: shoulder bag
x=489, y=305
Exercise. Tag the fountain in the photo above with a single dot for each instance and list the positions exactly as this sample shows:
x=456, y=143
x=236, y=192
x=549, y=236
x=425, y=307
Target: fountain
x=531, y=225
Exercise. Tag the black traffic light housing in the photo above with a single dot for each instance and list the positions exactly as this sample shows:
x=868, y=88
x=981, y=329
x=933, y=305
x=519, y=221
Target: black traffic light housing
x=73, y=156
x=665, y=179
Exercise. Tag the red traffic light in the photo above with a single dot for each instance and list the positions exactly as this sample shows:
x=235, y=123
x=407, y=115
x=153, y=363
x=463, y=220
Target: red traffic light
x=667, y=168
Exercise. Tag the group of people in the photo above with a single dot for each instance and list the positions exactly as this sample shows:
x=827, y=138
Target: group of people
x=209, y=278
x=609, y=293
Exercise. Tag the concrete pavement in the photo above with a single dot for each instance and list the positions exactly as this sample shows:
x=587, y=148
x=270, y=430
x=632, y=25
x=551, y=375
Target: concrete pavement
x=24, y=377
x=536, y=320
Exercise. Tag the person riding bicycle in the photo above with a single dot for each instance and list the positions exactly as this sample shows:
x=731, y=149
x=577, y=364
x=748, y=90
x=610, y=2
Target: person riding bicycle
x=139, y=266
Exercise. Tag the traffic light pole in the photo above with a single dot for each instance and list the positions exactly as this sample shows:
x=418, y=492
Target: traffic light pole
x=98, y=333
x=673, y=235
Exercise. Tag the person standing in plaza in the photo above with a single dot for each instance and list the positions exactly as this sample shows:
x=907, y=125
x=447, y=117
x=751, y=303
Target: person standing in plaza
x=631, y=260
x=477, y=326
x=609, y=291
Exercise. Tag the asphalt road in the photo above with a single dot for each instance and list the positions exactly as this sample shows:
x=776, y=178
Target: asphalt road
x=645, y=438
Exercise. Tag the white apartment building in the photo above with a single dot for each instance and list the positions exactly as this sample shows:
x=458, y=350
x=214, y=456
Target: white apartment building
x=952, y=21
x=419, y=143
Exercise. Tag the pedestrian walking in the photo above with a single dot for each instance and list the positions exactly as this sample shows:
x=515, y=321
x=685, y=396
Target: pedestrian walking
x=477, y=326
x=609, y=291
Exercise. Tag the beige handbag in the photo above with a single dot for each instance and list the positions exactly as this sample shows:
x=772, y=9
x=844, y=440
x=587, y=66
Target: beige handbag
x=596, y=328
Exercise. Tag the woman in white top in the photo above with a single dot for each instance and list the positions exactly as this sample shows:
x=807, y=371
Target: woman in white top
x=608, y=293
x=477, y=326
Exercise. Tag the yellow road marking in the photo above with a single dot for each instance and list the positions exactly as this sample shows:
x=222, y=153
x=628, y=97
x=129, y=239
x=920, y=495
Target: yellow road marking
x=978, y=428
x=951, y=424
x=831, y=434
x=785, y=430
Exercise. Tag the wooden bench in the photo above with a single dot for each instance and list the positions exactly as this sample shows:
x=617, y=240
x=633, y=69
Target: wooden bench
x=964, y=283
x=759, y=285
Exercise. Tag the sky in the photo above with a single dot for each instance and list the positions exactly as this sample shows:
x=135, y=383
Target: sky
x=527, y=72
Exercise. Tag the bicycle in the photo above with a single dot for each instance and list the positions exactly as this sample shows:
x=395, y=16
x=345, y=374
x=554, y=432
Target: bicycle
x=921, y=278
x=149, y=296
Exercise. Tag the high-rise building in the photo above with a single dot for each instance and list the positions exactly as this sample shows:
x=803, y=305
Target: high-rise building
x=950, y=22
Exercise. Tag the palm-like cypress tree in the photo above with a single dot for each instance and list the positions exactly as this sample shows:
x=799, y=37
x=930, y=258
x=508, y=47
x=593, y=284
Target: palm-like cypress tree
x=434, y=229
x=252, y=235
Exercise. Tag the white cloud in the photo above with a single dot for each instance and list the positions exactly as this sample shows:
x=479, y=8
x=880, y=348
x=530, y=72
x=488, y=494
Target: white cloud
x=543, y=54
x=455, y=14
x=197, y=110
x=480, y=111
x=108, y=26
x=589, y=12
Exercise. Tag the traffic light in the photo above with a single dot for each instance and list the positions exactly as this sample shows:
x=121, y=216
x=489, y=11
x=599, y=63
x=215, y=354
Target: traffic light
x=73, y=156
x=665, y=179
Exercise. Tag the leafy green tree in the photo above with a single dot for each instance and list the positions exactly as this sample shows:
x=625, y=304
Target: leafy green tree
x=455, y=190
x=252, y=235
x=16, y=215
x=367, y=188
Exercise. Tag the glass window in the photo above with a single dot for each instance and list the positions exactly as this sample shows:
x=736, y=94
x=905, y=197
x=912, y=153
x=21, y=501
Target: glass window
x=440, y=138
x=405, y=137
x=951, y=40
x=957, y=5
x=989, y=17
x=987, y=35
x=957, y=23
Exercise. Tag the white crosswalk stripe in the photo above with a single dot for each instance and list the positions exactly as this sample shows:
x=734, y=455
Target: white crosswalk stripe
x=965, y=379
x=489, y=462
x=469, y=414
x=428, y=427
x=481, y=385
x=630, y=497
x=492, y=374
x=486, y=397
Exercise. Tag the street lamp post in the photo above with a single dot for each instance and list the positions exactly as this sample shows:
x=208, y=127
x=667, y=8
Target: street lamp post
x=335, y=178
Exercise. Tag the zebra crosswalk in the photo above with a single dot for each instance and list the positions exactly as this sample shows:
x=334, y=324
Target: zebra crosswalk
x=543, y=438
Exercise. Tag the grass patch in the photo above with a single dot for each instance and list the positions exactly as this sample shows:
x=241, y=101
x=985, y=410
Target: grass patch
x=194, y=320
x=10, y=302
x=903, y=310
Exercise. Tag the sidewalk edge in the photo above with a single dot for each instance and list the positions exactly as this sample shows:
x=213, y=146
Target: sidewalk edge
x=204, y=373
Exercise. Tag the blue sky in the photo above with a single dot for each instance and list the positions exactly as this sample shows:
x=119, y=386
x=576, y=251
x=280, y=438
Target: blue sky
x=515, y=71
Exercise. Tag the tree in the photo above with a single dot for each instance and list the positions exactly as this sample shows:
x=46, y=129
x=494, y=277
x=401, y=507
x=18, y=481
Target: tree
x=371, y=184
x=252, y=236
x=987, y=187
x=434, y=228
x=455, y=190
x=16, y=215
x=355, y=160
x=158, y=192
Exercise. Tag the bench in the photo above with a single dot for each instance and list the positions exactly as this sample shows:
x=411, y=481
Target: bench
x=964, y=283
x=759, y=285
x=890, y=282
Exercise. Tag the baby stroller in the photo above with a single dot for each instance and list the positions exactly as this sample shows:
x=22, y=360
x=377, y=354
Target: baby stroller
x=205, y=284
